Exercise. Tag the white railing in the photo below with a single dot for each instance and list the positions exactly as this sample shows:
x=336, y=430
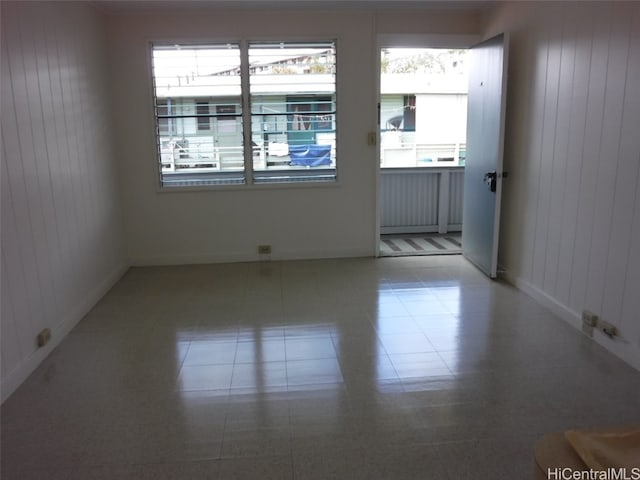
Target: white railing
x=196, y=157
x=423, y=155
x=191, y=156
x=416, y=200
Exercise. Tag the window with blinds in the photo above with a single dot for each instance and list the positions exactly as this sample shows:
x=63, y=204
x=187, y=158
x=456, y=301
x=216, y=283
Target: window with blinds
x=200, y=121
x=198, y=107
x=293, y=111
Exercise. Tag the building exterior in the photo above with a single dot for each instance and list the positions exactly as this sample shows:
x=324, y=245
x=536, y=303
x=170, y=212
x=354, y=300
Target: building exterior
x=423, y=119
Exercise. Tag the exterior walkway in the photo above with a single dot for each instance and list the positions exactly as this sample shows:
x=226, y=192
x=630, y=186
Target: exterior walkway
x=421, y=244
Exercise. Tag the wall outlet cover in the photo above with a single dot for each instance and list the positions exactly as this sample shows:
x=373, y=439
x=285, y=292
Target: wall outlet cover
x=264, y=249
x=43, y=337
x=608, y=329
x=589, y=318
x=587, y=330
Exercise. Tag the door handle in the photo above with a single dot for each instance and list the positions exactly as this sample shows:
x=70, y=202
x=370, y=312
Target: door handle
x=490, y=178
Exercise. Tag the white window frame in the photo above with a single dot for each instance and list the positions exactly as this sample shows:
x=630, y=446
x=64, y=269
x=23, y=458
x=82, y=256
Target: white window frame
x=246, y=117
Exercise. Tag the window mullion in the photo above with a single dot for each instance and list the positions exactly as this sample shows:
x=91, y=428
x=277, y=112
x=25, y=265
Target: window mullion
x=246, y=111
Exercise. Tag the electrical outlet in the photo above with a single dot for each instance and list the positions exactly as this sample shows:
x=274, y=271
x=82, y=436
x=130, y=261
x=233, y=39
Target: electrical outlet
x=608, y=329
x=264, y=249
x=587, y=330
x=43, y=337
x=589, y=318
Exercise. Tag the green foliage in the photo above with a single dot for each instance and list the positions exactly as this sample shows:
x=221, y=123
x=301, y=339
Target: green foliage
x=422, y=61
x=283, y=70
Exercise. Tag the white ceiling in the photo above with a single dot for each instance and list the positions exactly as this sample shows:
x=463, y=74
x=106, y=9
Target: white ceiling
x=124, y=6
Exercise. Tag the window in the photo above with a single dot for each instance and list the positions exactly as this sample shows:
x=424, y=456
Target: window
x=423, y=107
x=206, y=137
x=409, y=113
x=204, y=120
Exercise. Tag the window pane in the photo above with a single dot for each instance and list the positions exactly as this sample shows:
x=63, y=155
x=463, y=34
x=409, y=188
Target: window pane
x=293, y=111
x=423, y=107
x=198, y=102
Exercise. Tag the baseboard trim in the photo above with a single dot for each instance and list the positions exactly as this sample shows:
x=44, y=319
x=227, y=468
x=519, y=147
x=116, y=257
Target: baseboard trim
x=547, y=300
x=619, y=347
x=235, y=257
x=15, y=378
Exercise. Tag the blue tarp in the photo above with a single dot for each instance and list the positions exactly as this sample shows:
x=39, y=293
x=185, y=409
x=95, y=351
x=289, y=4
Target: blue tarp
x=310, y=155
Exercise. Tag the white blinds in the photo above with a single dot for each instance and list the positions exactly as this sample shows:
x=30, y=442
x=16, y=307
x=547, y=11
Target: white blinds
x=198, y=101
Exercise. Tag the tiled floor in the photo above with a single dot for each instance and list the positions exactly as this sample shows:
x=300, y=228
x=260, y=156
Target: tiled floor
x=397, y=368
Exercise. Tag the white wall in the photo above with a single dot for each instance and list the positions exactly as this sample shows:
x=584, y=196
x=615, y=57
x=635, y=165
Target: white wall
x=61, y=225
x=299, y=222
x=571, y=225
x=441, y=119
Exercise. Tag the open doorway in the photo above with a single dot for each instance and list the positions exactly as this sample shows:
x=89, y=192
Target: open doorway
x=422, y=131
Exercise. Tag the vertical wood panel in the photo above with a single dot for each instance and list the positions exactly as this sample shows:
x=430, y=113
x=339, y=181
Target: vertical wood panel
x=15, y=285
x=46, y=245
x=20, y=179
x=579, y=193
x=560, y=152
x=55, y=216
x=73, y=177
x=608, y=160
x=83, y=57
x=591, y=153
x=622, y=276
x=582, y=23
x=75, y=105
x=629, y=324
x=61, y=173
x=10, y=343
x=60, y=205
x=531, y=178
x=549, y=97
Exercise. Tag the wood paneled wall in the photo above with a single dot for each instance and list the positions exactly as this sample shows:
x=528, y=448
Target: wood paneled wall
x=61, y=227
x=571, y=225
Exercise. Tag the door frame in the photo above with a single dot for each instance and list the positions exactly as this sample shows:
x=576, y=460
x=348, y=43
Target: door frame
x=392, y=40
